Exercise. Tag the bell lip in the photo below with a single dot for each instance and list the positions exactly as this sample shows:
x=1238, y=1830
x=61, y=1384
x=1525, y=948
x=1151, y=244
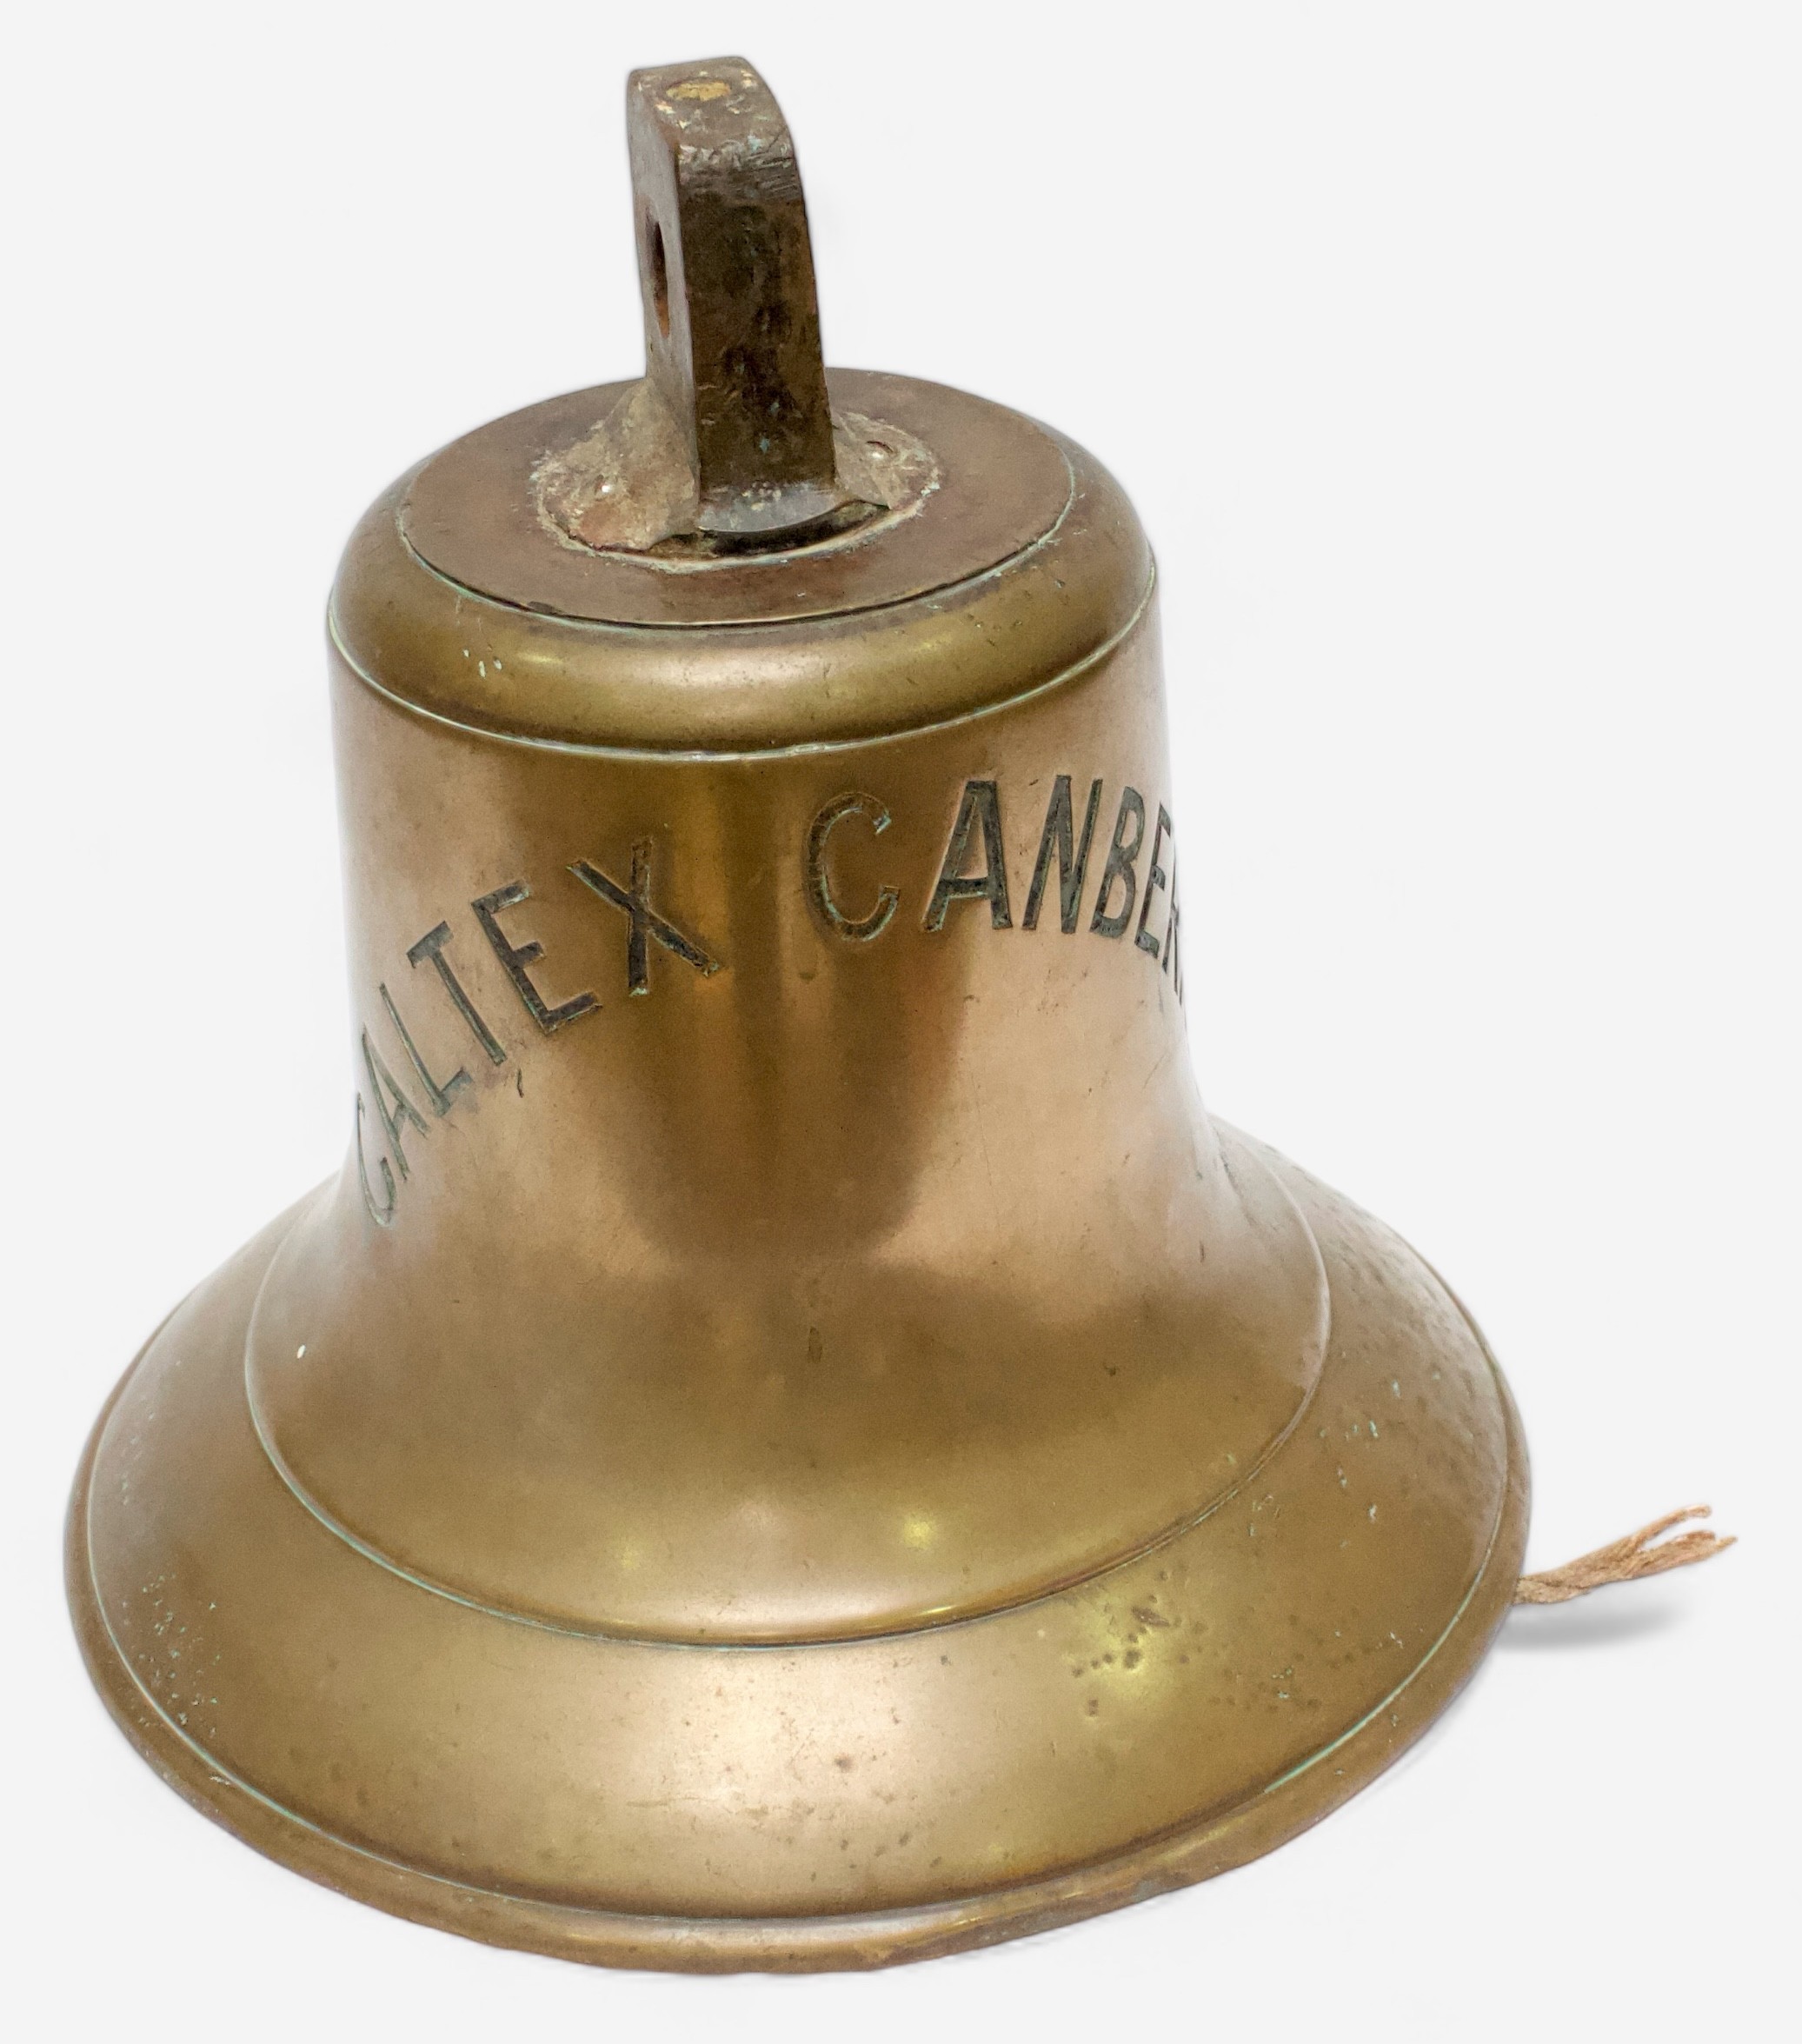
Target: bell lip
x=1179, y=1856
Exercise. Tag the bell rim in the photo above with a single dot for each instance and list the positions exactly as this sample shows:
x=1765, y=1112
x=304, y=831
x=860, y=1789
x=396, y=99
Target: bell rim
x=1179, y=1855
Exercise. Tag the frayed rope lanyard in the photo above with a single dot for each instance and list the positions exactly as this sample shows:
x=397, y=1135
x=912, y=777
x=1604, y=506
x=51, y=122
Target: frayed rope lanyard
x=1621, y=1561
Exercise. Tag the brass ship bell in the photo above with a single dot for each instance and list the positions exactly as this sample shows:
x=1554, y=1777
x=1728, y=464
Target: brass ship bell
x=792, y=1441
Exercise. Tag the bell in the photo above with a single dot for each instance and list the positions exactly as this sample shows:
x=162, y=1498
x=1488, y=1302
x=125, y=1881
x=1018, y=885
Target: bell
x=792, y=1441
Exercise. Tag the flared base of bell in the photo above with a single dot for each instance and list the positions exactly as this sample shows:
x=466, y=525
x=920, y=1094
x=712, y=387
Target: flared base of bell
x=832, y=1804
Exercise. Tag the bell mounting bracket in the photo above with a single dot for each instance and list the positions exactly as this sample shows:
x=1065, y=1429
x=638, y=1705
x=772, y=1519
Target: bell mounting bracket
x=731, y=317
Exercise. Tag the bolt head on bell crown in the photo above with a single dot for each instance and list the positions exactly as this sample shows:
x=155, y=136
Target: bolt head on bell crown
x=793, y=1440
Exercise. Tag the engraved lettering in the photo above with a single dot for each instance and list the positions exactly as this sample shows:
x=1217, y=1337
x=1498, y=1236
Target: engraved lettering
x=381, y=1078
x=982, y=799
x=440, y=1096
x=1173, y=964
x=382, y=1216
x=644, y=923
x=517, y=957
x=1121, y=866
x=1071, y=870
x=1155, y=877
x=432, y=945
x=860, y=928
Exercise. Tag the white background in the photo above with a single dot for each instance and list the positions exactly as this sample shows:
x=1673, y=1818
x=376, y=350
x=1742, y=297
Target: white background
x=1452, y=353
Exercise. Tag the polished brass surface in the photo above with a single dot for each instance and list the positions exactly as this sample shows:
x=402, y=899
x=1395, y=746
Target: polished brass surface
x=793, y=1439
